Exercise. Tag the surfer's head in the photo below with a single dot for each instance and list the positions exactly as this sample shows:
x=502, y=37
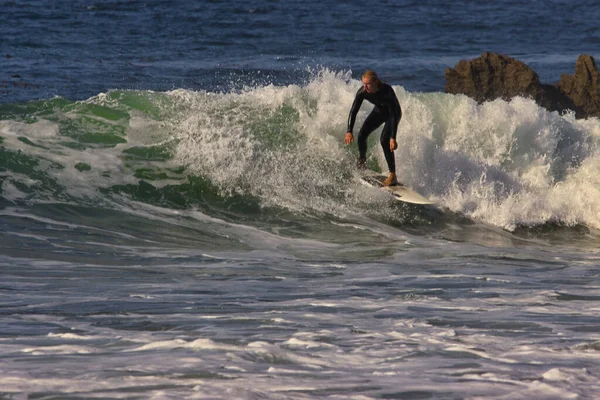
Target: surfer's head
x=370, y=81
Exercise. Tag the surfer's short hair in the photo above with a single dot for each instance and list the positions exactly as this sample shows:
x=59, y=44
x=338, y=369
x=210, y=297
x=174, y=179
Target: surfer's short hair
x=371, y=75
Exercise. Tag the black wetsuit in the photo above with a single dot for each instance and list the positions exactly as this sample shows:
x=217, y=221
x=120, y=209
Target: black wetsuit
x=387, y=110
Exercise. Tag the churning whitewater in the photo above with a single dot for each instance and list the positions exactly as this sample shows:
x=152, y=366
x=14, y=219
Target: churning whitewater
x=507, y=164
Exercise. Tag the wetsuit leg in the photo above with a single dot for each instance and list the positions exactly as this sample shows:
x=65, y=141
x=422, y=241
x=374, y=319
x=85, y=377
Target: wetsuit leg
x=373, y=121
x=386, y=135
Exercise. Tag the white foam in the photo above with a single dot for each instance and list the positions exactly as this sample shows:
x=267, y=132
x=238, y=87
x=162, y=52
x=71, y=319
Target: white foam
x=198, y=344
x=39, y=130
x=507, y=163
x=306, y=344
x=72, y=336
x=482, y=354
x=511, y=163
x=61, y=349
x=142, y=296
x=11, y=192
x=554, y=374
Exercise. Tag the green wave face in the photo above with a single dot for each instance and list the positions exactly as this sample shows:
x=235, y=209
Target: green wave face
x=246, y=155
x=227, y=153
x=59, y=149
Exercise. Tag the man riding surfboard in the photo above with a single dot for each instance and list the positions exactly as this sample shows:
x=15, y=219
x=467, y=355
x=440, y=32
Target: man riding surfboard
x=387, y=111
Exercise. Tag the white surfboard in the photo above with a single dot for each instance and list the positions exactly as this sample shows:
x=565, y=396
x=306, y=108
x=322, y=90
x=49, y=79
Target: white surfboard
x=400, y=192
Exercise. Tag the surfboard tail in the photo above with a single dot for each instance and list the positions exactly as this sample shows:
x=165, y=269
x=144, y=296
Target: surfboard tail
x=400, y=191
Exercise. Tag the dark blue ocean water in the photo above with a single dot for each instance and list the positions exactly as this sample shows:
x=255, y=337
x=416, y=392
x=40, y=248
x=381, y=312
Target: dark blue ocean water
x=179, y=216
x=77, y=49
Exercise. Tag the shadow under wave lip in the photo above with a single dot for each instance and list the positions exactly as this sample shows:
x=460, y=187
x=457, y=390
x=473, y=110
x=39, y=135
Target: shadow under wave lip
x=442, y=223
x=64, y=232
x=555, y=233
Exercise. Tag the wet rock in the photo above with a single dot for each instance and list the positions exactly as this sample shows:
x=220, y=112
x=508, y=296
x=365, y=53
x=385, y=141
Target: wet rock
x=583, y=88
x=493, y=76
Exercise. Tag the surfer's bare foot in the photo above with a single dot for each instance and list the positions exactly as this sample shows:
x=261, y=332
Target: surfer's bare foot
x=391, y=180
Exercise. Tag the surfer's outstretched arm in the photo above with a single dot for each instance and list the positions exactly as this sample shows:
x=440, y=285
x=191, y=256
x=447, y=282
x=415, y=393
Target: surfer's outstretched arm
x=358, y=99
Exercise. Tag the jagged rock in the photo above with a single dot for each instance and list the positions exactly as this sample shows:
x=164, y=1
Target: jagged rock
x=584, y=86
x=553, y=99
x=493, y=76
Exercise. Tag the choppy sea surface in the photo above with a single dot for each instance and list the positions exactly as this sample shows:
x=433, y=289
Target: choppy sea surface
x=179, y=216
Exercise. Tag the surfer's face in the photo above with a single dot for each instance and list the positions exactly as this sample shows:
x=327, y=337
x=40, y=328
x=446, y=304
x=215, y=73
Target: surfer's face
x=370, y=85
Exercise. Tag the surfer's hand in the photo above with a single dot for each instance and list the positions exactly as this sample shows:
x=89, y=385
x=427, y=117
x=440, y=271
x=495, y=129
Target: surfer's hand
x=393, y=144
x=349, y=138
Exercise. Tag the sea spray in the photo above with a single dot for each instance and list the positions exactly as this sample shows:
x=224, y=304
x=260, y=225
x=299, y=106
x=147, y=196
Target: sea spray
x=505, y=163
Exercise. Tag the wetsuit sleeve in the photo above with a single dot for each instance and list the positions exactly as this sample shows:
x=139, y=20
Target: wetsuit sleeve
x=395, y=112
x=358, y=99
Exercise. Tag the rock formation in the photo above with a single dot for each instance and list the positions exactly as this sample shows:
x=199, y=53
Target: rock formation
x=583, y=87
x=493, y=76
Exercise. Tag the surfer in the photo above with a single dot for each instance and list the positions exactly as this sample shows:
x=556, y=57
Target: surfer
x=386, y=111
